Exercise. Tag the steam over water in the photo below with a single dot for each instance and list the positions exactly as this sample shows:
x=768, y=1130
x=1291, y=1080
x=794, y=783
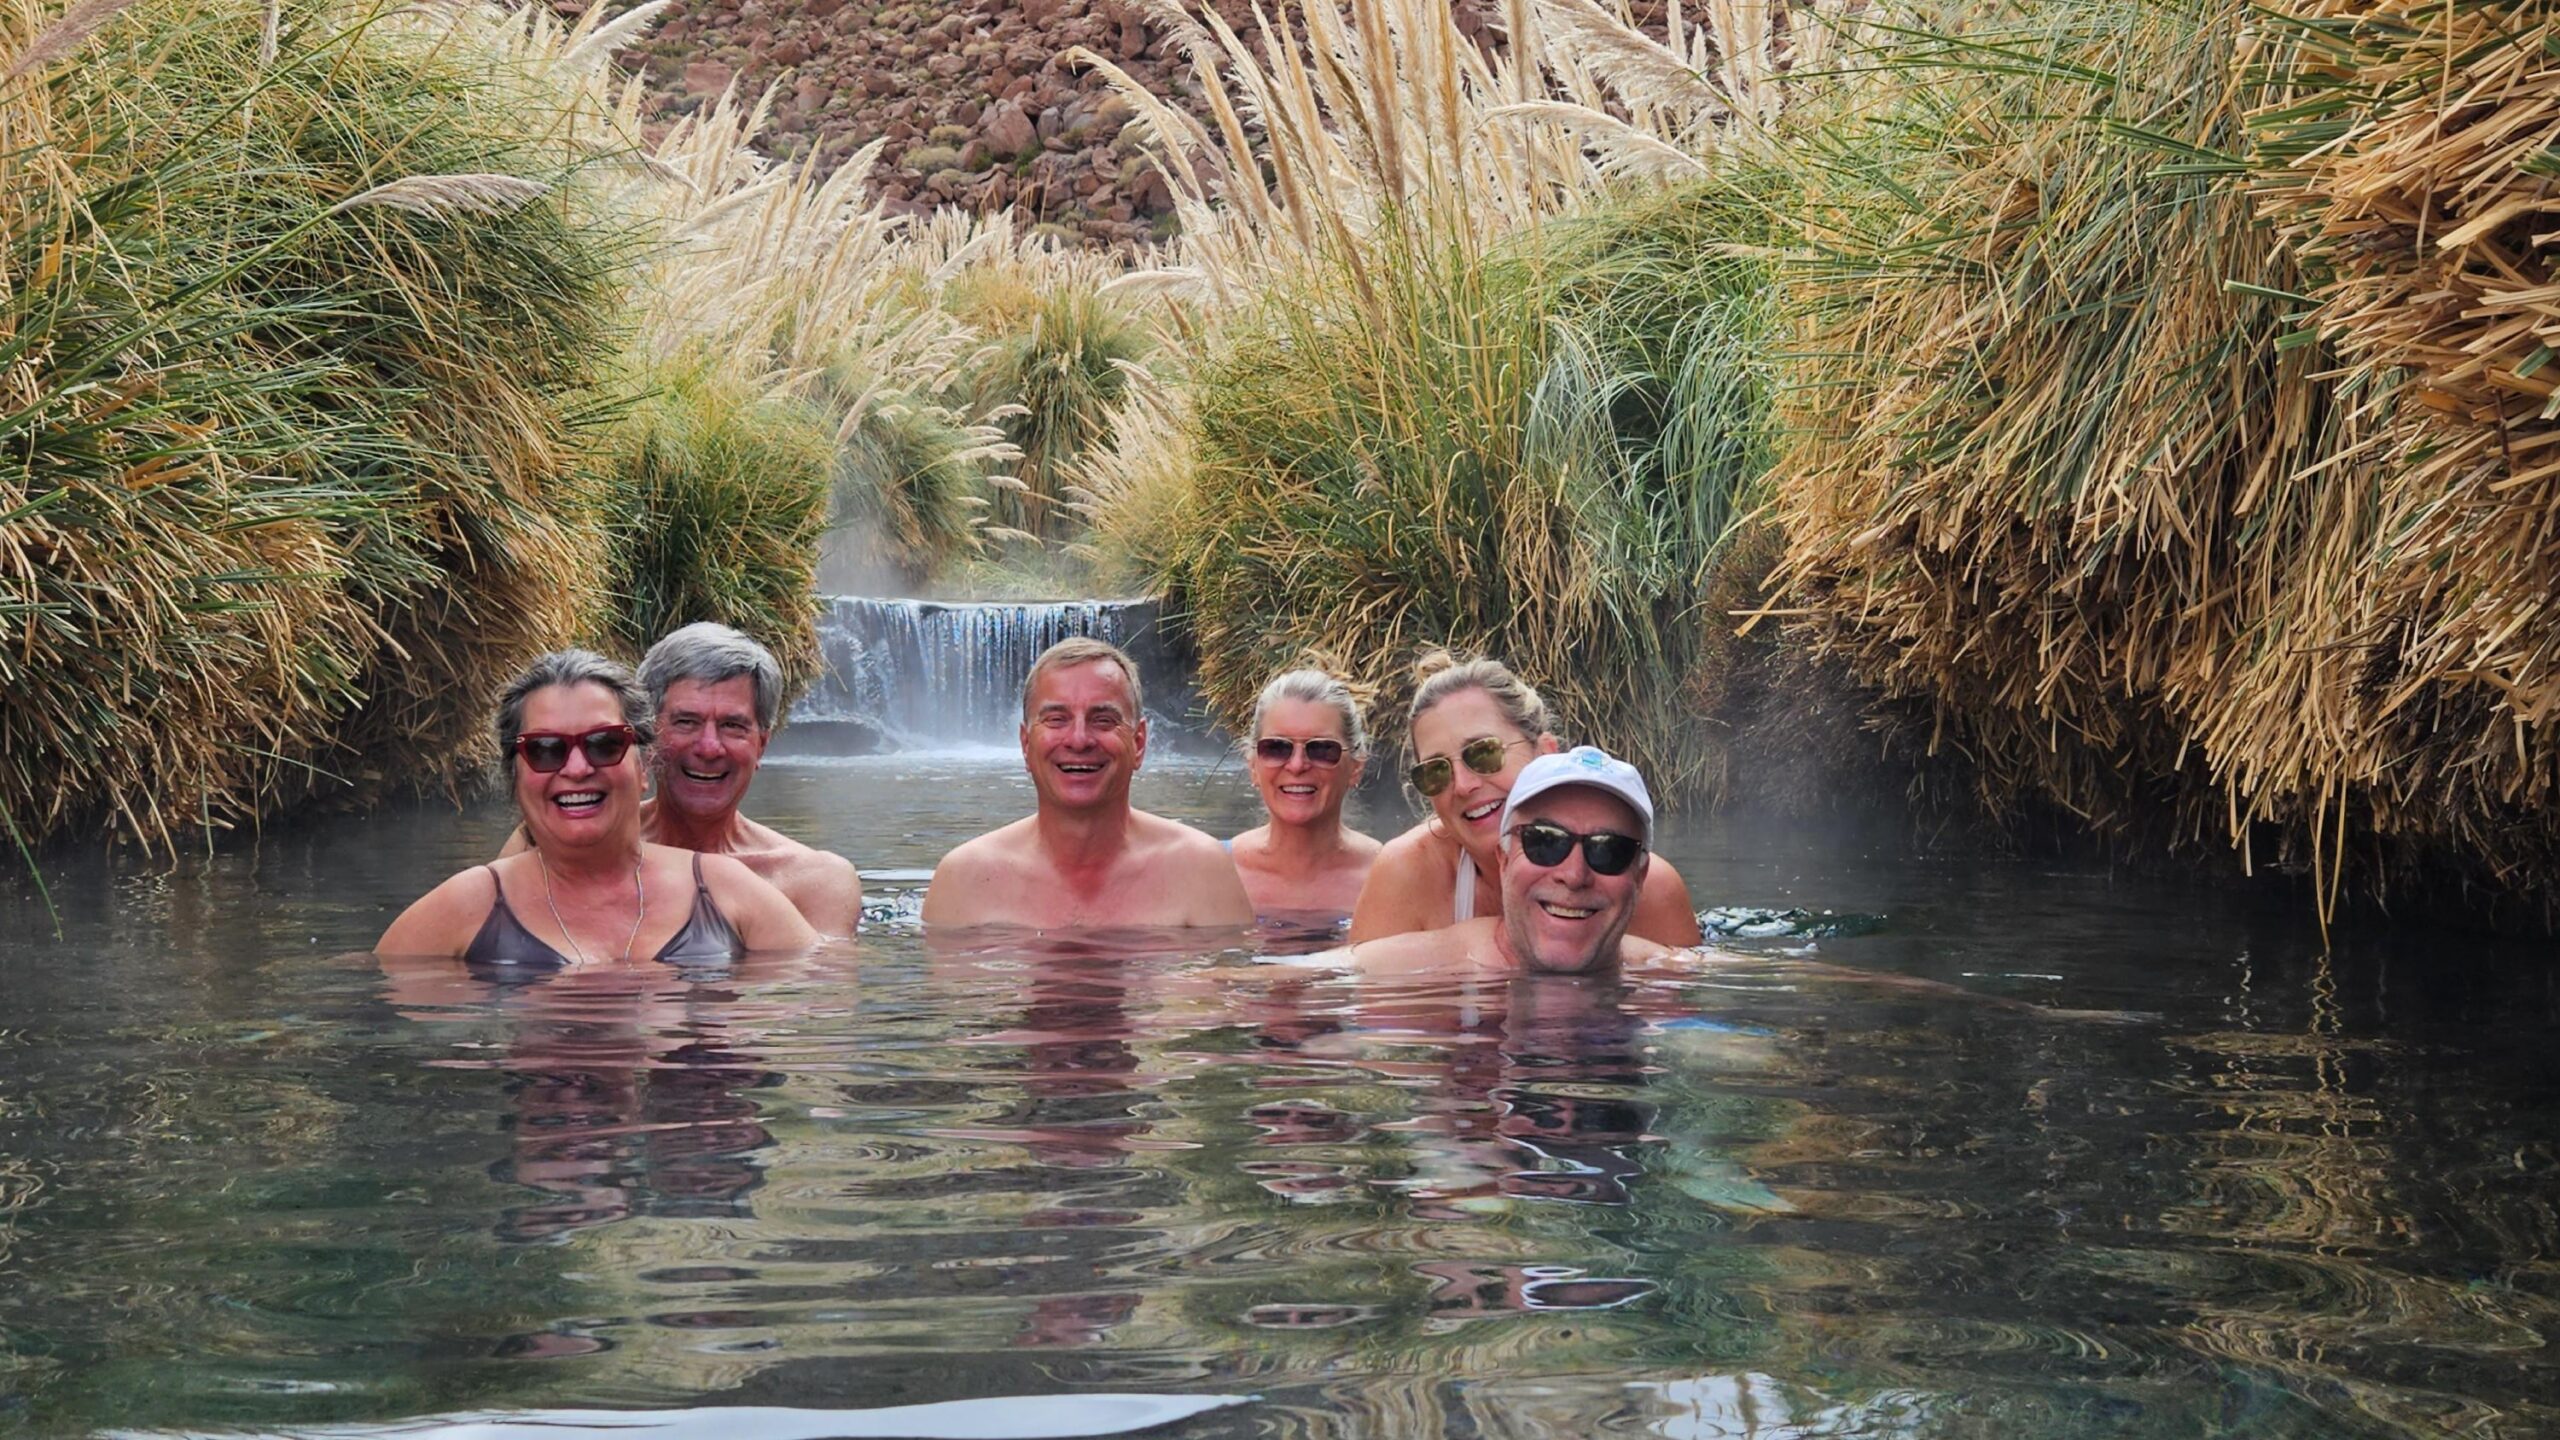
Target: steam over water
x=246, y=1184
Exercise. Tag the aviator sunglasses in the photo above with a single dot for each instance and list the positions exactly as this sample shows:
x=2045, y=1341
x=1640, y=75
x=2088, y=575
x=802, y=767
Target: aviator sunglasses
x=545, y=752
x=1483, y=755
x=1279, y=748
x=1545, y=843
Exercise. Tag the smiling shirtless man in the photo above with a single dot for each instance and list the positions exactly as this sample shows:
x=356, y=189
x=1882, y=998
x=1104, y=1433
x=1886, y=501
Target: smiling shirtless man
x=1085, y=858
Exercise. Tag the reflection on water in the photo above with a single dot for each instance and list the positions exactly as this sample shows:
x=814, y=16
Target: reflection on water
x=625, y=1100
x=249, y=1180
x=999, y=1418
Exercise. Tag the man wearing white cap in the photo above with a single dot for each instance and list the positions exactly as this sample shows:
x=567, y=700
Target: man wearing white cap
x=1577, y=836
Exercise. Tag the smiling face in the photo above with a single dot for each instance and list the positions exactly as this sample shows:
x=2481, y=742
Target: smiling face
x=1298, y=791
x=578, y=804
x=1082, y=738
x=709, y=746
x=1565, y=918
x=1471, y=807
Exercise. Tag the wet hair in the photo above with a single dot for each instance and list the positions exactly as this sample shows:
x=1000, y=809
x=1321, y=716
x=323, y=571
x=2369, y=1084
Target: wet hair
x=1084, y=650
x=1316, y=687
x=572, y=667
x=708, y=653
x=1437, y=675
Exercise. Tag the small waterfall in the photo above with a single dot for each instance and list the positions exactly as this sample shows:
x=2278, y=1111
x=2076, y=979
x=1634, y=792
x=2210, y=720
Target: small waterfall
x=931, y=674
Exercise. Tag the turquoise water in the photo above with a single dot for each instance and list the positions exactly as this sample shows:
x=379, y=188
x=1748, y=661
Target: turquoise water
x=247, y=1185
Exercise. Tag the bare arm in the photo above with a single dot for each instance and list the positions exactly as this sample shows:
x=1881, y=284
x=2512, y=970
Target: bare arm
x=1394, y=955
x=1664, y=912
x=763, y=916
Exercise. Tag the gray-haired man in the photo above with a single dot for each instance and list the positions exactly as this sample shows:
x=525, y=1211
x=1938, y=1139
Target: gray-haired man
x=717, y=695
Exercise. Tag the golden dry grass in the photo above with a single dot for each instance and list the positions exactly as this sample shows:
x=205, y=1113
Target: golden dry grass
x=2074, y=471
x=265, y=474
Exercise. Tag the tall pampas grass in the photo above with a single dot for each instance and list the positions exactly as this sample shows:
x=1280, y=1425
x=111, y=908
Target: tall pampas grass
x=280, y=461
x=2202, y=531
x=64, y=37
x=1449, y=376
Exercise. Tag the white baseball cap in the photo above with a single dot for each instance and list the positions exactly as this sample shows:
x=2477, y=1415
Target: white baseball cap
x=1583, y=765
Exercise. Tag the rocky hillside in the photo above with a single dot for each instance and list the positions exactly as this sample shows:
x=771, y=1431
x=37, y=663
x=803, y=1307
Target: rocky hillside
x=970, y=95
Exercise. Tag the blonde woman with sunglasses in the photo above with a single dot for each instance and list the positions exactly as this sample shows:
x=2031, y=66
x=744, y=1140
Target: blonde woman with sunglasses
x=1307, y=751
x=1474, y=725
x=589, y=891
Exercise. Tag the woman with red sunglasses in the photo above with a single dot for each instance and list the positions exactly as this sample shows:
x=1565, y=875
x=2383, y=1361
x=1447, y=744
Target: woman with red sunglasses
x=589, y=891
x=1306, y=755
x=1473, y=726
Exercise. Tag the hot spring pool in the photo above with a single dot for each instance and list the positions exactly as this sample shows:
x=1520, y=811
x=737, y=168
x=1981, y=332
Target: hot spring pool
x=245, y=1185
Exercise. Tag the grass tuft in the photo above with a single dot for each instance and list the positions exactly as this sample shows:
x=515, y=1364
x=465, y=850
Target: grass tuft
x=1055, y=380
x=2204, y=531
x=1535, y=453
x=720, y=490
x=278, y=479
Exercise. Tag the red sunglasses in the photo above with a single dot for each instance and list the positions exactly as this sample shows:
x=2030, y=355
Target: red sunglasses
x=545, y=752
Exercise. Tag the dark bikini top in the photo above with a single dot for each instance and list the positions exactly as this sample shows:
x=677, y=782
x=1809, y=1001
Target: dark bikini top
x=707, y=939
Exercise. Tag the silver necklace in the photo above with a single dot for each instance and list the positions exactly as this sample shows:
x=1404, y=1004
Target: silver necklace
x=574, y=947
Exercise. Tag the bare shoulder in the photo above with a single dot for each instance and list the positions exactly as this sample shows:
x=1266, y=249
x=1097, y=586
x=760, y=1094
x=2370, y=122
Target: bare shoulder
x=1175, y=837
x=993, y=853
x=768, y=849
x=765, y=917
x=1207, y=885
x=965, y=875
x=826, y=887
x=442, y=921
x=826, y=865
x=1408, y=887
x=1664, y=912
x=726, y=875
x=723, y=871
x=1414, y=864
x=787, y=862
x=792, y=864
x=1413, y=849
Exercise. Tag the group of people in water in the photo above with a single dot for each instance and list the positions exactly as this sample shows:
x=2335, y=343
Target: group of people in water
x=1533, y=858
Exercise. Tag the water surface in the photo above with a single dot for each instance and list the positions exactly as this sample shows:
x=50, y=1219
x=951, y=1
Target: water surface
x=246, y=1183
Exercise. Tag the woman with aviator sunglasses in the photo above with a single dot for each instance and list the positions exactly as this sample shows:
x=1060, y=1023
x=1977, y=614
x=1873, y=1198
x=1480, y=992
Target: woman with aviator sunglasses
x=1308, y=750
x=589, y=891
x=1474, y=725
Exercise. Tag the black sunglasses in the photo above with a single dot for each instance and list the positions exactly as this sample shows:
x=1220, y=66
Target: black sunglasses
x=546, y=752
x=1605, y=851
x=1483, y=755
x=1279, y=748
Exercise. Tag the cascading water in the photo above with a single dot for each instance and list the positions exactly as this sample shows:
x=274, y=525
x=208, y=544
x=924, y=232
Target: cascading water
x=932, y=674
